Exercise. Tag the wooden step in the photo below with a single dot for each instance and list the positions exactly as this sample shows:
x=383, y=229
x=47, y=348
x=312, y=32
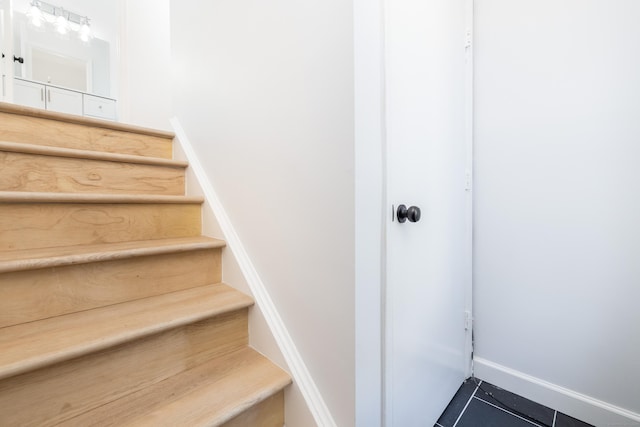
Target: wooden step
x=57, y=257
x=45, y=220
x=28, y=167
x=37, y=284
x=34, y=345
x=40, y=197
x=239, y=389
x=33, y=126
x=64, y=390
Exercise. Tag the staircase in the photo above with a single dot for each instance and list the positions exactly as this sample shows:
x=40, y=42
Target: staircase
x=112, y=309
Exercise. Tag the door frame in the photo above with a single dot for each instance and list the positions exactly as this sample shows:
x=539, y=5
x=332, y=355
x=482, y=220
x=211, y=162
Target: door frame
x=372, y=209
x=6, y=71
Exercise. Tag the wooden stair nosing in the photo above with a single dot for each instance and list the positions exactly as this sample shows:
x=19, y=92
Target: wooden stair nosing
x=37, y=344
x=45, y=150
x=81, y=120
x=32, y=259
x=28, y=197
x=193, y=397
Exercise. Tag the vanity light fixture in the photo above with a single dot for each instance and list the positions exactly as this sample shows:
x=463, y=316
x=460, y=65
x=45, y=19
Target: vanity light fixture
x=63, y=21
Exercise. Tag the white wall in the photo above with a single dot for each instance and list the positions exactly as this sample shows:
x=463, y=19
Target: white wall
x=145, y=74
x=261, y=337
x=557, y=243
x=264, y=91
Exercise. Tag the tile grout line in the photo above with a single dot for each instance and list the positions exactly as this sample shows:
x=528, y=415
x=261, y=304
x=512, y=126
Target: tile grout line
x=555, y=415
x=439, y=425
x=508, y=412
x=465, y=406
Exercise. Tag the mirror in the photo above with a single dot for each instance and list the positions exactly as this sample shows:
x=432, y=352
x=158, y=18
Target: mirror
x=67, y=62
x=60, y=70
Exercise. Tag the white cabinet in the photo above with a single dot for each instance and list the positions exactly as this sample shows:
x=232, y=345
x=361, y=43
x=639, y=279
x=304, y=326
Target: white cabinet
x=99, y=107
x=50, y=98
x=63, y=100
x=53, y=98
x=28, y=93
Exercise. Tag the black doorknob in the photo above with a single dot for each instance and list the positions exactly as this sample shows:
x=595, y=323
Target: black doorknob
x=412, y=213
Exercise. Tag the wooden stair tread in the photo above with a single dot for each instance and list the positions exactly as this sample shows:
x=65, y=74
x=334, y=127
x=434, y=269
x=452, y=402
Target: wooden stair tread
x=33, y=345
x=44, y=150
x=70, y=118
x=70, y=255
x=39, y=197
x=208, y=395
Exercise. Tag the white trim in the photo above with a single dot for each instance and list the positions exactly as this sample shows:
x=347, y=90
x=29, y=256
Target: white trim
x=567, y=401
x=469, y=116
x=370, y=211
x=386, y=302
x=299, y=371
x=122, y=77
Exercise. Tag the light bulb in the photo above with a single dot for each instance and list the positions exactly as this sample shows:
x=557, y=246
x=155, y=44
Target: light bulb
x=85, y=33
x=62, y=25
x=35, y=16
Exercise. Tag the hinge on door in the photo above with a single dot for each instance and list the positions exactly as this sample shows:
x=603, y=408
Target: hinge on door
x=468, y=46
x=468, y=321
x=467, y=180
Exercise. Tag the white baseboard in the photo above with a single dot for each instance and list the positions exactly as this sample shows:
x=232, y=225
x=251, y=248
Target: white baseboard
x=585, y=408
x=297, y=367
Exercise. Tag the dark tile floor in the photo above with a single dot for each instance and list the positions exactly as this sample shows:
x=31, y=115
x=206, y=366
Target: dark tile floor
x=480, y=404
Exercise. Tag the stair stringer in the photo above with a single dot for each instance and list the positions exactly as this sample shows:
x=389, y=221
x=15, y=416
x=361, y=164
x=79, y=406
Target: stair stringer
x=267, y=332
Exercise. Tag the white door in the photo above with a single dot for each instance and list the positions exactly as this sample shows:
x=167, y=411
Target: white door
x=428, y=262
x=29, y=94
x=64, y=101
